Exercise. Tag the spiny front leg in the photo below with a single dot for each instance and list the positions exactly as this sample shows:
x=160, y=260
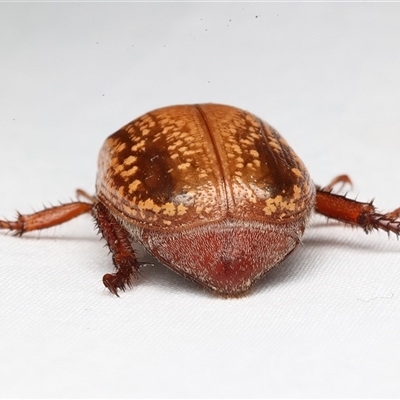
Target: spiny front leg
x=354, y=212
x=123, y=255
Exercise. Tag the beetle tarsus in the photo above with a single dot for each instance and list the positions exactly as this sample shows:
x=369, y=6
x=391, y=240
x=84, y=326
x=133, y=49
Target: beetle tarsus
x=119, y=281
x=387, y=222
x=110, y=282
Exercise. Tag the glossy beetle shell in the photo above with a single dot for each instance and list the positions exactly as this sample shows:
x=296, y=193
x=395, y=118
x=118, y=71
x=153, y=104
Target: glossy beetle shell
x=211, y=190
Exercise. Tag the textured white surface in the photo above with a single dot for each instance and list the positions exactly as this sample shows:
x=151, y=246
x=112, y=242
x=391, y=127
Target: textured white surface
x=325, y=323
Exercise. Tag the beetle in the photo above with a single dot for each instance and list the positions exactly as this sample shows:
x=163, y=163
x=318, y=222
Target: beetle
x=212, y=191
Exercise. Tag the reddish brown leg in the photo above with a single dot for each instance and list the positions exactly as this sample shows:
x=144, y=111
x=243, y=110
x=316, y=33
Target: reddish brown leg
x=85, y=195
x=46, y=218
x=342, y=179
x=354, y=212
x=124, y=257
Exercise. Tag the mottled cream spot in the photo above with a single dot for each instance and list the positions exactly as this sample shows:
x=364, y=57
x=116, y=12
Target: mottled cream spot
x=296, y=192
x=181, y=209
x=254, y=153
x=274, y=146
x=134, y=185
x=118, y=168
x=246, y=141
x=145, y=132
x=166, y=222
x=169, y=209
x=138, y=146
x=165, y=121
x=236, y=148
x=130, y=160
x=120, y=147
x=166, y=129
x=175, y=155
x=255, y=136
x=149, y=204
x=129, y=172
x=184, y=166
x=270, y=206
x=273, y=204
x=297, y=172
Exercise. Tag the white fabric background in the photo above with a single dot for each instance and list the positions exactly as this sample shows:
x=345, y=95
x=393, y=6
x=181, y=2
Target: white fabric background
x=324, y=323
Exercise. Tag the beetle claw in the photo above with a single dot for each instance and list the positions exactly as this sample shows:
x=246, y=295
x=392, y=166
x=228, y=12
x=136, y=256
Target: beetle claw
x=110, y=281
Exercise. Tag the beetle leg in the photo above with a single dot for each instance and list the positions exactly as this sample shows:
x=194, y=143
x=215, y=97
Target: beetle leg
x=85, y=195
x=395, y=214
x=118, y=241
x=46, y=218
x=356, y=213
x=342, y=179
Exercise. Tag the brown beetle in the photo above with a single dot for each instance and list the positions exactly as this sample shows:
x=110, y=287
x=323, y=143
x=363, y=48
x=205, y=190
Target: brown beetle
x=211, y=191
